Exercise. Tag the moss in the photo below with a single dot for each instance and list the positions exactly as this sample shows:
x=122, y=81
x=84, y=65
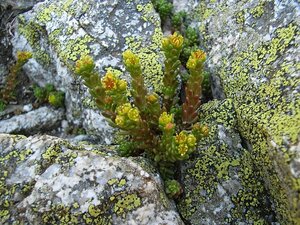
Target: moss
x=56, y=99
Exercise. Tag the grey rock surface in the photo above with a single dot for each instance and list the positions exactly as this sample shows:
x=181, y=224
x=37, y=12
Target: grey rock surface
x=18, y=4
x=43, y=118
x=60, y=32
x=46, y=180
x=253, y=53
x=220, y=183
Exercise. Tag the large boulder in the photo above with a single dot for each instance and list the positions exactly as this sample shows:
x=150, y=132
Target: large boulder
x=253, y=53
x=60, y=32
x=47, y=180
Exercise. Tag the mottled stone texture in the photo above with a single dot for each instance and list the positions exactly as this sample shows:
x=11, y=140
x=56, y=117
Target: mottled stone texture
x=43, y=118
x=253, y=49
x=46, y=180
x=18, y=4
x=60, y=32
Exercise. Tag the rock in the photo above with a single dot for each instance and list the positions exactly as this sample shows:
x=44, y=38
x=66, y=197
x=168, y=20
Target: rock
x=220, y=183
x=60, y=32
x=46, y=180
x=18, y=4
x=43, y=118
x=253, y=50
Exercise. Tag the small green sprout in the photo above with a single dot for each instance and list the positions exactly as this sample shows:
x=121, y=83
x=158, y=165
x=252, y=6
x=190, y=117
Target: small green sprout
x=173, y=188
x=56, y=99
x=164, y=8
x=49, y=94
x=40, y=93
x=178, y=19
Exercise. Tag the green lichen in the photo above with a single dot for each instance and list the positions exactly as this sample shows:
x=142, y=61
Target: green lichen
x=44, y=15
x=60, y=214
x=267, y=114
x=8, y=162
x=150, y=59
x=213, y=161
x=68, y=51
x=258, y=10
x=240, y=17
x=126, y=203
x=149, y=55
x=75, y=48
x=33, y=32
x=51, y=154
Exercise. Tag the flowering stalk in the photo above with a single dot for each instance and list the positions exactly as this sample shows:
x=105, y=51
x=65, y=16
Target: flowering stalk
x=174, y=147
x=193, y=89
x=6, y=93
x=150, y=127
x=153, y=111
x=109, y=92
x=171, y=46
x=129, y=119
x=139, y=92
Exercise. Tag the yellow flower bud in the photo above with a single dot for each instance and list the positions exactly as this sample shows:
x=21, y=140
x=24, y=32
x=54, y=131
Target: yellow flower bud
x=130, y=59
x=165, y=42
x=196, y=57
x=176, y=40
x=152, y=98
x=205, y=130
x=123, y=109
x=164, y=119
x=23, y=56
x=120, y=120
x=84, y=64
x=169, y=126
x=191, y=140
x=109, y=81
x=182, y=149
x=191, y=63
x=199, y=55
x=122, y=85
x=181, y=138
x=134, y=114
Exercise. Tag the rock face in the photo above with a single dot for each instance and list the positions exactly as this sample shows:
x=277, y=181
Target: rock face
x=213, y=174
x=246, y=172
x=44, y=118
x=19, y=4
x=60, y=32
x=46, y=180
x=253, y=50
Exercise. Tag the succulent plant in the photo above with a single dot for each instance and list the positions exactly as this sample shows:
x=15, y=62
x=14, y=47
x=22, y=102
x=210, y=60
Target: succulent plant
x=154, y=125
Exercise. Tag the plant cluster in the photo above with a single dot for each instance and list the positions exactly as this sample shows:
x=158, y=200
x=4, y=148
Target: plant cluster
x=180, y=23
x=164, y=8
x=7, y=93
x=156, y=126
x=50, y=95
